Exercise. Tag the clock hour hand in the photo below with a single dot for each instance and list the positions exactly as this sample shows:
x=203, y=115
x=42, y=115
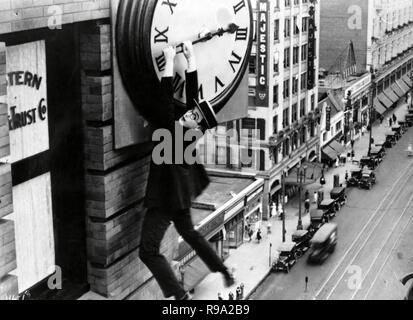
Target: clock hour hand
x=232, y=28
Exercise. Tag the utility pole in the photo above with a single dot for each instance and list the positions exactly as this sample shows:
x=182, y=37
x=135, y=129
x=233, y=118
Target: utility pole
x=373, y=91
x=300, y=222
x=283, y=204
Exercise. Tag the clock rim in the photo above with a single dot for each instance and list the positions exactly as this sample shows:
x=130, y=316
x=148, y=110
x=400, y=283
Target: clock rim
x=139, y=53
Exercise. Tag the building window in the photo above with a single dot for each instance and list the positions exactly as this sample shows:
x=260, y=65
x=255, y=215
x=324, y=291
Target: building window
x=287, y=31
x=303, y=129
x=276, y=94
x=304, y=81
x=295, y=113
x=286, y=117
x=277, y=30
x=286, y=57
x=286, y=93
x=276, y=66
x=305, y=25
x=253, y=65
x=295, y=85
x=302, y=108
x=295, y=55
x=277, y=5
x=296, y=2
x=275, y=124
x=288, y=3
x=304, y=51
x=338, y=126
x=312, y=102
x=324, y=136
x=295, y=26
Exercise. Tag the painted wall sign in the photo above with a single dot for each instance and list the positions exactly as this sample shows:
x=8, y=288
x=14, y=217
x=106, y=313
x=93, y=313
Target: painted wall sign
x=311, y=48
x=29, y=137
x=261, y=98
x=27, y=100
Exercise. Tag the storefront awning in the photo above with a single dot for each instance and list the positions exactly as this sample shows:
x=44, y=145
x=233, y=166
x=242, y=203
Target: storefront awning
x=337, y=146
x=313, y=173
x=379, y=107
x=403, y=86
x=407, y=80
x=330, y=152
x=391, y=95
x=397, y=90
x=385, y=101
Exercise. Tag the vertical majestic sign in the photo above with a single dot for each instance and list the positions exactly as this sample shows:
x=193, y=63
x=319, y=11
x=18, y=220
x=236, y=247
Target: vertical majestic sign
x=311, y=49
x=261, y=98
x=27, y=100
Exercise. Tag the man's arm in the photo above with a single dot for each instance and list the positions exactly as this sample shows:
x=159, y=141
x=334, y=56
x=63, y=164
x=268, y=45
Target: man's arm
x=191, y=76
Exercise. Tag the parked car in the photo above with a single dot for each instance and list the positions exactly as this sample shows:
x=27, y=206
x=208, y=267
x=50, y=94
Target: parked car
x=323, y=243
x=409, y=120
x=355, y=176
x=390, y=140
x=376, y=154
x=397, y=131
x=302, y=240
x=368, y=179
x=318, y=218
x=339, y=196
x=380, y=146
x=287, y=257
x=330, y=207
x=368, y=162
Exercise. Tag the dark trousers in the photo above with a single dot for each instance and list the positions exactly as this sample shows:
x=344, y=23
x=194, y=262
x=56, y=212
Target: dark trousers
x=155, y=225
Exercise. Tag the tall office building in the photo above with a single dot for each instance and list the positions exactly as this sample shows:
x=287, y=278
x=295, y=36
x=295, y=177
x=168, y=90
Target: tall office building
x=281, y=130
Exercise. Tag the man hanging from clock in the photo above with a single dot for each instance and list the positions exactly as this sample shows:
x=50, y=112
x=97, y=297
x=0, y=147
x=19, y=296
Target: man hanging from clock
x=172, y=187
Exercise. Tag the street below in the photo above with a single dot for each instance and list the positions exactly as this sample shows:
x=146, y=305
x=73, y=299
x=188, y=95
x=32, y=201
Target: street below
x=375, y=246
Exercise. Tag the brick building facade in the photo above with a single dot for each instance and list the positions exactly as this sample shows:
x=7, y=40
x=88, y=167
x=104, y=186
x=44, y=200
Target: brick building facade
x=90, y=180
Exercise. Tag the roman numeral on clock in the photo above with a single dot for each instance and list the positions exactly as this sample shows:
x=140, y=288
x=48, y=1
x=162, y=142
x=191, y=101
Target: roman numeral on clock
x=179, y=85
x=170, y=4
x=161, y=35
x=219, y=83
x=239, y=6
x=235, y=62
x=241, y=34
x=160, y=62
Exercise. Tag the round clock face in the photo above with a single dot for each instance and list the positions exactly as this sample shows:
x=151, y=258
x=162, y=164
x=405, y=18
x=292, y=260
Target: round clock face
x=221, y=61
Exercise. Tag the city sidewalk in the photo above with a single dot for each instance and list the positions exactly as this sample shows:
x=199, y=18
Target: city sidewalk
x=252, y=261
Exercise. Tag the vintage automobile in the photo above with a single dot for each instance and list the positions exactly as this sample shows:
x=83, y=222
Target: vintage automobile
x=323, y=243
x=397, y=131
x=339, y=196
x=368, y=179
x=302, y=240
x=368, y=162
x=355, y=176
x=380, y=146
x=318, y=218
x=409, y=120
x=376, y=154
x=287, y=257
x=330, y=207
x=390, y=140
x=403, y=124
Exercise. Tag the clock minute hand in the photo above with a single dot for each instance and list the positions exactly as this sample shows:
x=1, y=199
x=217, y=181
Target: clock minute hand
x=232, y=28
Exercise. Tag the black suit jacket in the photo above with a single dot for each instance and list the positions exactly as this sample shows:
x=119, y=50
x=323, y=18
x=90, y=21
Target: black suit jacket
x=174, y=186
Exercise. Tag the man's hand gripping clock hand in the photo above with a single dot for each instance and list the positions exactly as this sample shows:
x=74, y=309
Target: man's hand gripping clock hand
x=169, y=53
x=190, y=56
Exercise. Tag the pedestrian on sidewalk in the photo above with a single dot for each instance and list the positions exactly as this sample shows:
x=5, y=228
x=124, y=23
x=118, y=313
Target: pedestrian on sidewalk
x=381, y=118
x=238, y=294
x=315, y=197
x=259, y=237
x=250, y=234
x=394, y=119
x=220, y=296
x=307, y=206
x=230, y=296
x=242, y=290
x=269, y=226
x=273, y=211
x=307, y=195
x=346, y=176
x=390, y=122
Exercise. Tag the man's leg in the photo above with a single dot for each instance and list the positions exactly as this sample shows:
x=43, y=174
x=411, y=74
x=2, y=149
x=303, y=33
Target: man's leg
x=184, y=226
x=154, y=227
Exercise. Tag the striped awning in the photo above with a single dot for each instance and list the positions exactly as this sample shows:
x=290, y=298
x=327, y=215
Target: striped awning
x=330, y=152
x=391, y=95
x=397, y=90
x=379, y=107
x=403, y=86
x=407, y=80
x=385, y=101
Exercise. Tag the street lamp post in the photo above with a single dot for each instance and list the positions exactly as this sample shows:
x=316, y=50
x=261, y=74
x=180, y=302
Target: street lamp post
x=373, y=91
x=283, y=205
x=300, y=222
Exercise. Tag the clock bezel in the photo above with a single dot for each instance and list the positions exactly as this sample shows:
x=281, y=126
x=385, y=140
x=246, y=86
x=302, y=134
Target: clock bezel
x=138, y=55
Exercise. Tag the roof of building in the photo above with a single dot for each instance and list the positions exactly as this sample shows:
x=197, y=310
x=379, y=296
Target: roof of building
x=334, y=99
x=219, y=192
